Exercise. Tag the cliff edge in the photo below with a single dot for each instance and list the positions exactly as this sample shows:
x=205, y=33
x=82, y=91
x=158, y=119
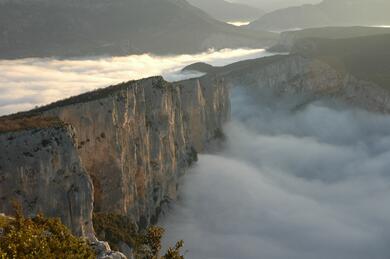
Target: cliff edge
x=118, y=150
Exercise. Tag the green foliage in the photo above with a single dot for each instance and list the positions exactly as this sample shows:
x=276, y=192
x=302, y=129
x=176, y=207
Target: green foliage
x=115, y=228
x=174, y=253
x=152, y=238
x=4, y=220
x=146, y=244
x=39, y=237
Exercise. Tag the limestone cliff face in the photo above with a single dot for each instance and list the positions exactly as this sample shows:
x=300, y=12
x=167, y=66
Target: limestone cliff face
x=41, y=169
x=137, y=139
x=121, y=150
x=306, y=76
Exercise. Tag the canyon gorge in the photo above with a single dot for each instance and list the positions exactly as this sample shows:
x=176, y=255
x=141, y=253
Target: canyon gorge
x=126, y=149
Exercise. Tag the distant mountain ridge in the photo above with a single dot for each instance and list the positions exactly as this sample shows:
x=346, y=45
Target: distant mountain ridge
x=289, y=39
x=271, y=5
x=100, y=27
x=227, y=11
x=326, y=13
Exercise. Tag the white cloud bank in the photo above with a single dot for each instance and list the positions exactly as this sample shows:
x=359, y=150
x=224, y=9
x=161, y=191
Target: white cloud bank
x=313, y=183
x=26, y=83
x=382, y=26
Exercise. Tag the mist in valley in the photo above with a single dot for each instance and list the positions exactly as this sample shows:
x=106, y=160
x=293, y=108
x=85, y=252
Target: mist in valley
x=27, y=83
x=292, y=177
x=292, y=181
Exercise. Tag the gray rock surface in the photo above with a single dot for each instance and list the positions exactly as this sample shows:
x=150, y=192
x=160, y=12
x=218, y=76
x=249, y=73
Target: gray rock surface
x=138, y=139
x=134, y=140
x=124, y=153
x=41, y=169
x=103, y=251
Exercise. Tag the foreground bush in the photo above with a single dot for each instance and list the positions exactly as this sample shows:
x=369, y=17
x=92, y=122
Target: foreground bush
x=152, y=239
x=146, y=244
x=39, y=238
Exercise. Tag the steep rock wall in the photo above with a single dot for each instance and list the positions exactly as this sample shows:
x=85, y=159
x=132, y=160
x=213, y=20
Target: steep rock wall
x=137, y=139
x=40, y=168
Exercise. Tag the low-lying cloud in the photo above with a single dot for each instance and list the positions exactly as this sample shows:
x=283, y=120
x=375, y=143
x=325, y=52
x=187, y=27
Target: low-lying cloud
x=26, y=83
x=290, y=183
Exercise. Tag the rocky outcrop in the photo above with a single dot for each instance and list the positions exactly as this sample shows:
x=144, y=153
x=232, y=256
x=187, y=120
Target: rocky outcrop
x=134, y=140
x=103, y=251
x=40, y=168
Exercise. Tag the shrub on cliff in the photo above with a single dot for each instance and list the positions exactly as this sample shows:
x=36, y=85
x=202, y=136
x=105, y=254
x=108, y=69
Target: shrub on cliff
x=4, y=220
x=151, y=238
x=40, y=237
x=146, y=244
x=114, y=229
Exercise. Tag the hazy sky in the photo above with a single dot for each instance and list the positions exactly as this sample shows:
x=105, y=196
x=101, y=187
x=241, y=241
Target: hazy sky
x=308, y=184
x=25, y=83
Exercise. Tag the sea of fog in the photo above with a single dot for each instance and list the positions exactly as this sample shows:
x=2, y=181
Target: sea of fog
x=291, y=182
x=26, y=83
